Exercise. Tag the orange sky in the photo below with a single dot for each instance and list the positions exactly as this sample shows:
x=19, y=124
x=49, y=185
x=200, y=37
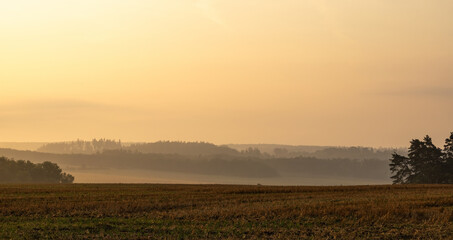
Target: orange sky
x=372, y=73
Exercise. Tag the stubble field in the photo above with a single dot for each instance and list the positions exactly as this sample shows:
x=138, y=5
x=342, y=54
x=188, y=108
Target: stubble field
x=123, y=211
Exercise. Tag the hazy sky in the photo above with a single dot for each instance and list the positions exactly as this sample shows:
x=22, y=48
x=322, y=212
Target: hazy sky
x=312, y=72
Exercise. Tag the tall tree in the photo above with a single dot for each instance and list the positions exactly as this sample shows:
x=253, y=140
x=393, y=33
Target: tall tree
x=401, y=168
x=425, y=163
x=448, y=155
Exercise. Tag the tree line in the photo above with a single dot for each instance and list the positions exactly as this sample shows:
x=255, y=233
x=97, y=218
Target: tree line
x=167, y=147
x=361, y=153
x=21, y=171
x=203, y=148
x=81, y=146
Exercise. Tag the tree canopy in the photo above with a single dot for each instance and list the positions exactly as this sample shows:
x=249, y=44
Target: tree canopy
x=425, y=163
x=27, y=172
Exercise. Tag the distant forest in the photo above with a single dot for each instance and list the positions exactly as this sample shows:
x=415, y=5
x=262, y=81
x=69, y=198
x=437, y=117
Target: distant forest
x=203, y=148
x=210, y=159
x=79, y=146
x=21, y=171
x=101, y=145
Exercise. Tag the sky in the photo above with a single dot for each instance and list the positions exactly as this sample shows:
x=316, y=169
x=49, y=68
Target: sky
x=302, y=72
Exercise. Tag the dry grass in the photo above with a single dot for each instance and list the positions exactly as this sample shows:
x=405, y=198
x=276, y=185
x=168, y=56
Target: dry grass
x=219, y=211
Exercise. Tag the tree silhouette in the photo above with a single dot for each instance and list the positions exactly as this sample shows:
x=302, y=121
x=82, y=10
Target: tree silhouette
x=448, y=155
x=425, y=163
x=27, y=172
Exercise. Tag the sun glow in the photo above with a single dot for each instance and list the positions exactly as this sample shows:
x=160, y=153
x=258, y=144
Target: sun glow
x=226, y=71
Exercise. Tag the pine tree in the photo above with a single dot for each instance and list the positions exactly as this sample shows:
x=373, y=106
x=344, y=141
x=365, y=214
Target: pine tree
x=425, y=163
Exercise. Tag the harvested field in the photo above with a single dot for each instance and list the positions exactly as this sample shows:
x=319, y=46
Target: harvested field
x=145, y=211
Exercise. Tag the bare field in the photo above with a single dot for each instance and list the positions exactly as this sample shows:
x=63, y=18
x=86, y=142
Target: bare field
x=152, y=211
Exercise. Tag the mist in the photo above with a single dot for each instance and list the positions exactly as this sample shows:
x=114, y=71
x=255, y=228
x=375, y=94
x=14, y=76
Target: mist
x=279, y=92
x=112, y=161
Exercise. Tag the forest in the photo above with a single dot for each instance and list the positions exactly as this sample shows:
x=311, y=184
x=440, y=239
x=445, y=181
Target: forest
x=213, y=160
x=204, y=148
